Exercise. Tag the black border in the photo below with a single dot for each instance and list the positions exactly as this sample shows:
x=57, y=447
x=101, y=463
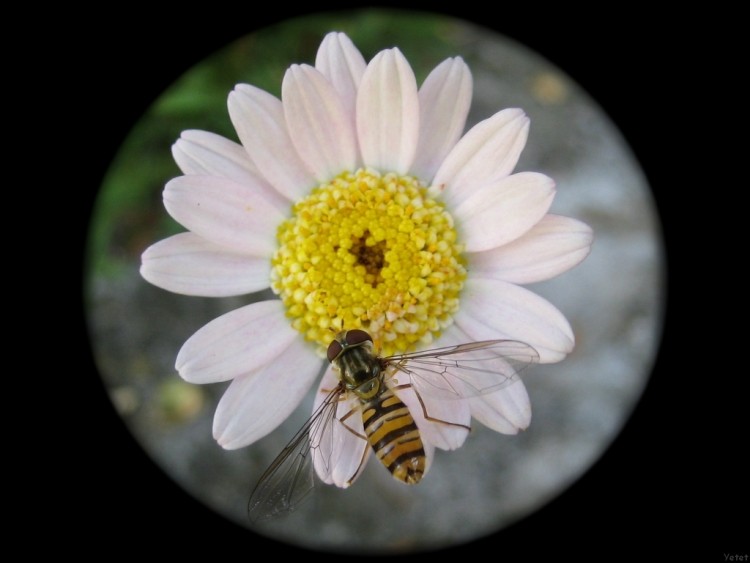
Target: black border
x=622, y=506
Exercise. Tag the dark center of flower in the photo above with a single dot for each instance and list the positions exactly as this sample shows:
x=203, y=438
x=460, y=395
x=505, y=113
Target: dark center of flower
x=371, y=256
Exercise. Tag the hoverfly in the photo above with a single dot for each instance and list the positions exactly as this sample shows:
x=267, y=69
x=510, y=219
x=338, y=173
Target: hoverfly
x=371, y=382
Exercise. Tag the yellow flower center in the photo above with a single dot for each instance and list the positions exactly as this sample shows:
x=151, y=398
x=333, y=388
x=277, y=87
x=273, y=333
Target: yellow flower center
x=371, y=252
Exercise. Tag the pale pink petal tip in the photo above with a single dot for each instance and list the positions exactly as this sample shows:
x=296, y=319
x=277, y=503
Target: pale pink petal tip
x=258, y=118
x=506, y=411
x=225, y=213
x=553, y=246
x=206, y=153
x=236, y=343
x=444, y=101
x=257, y=402
x=505, y=210
x=189, y=265
x=342, y=63
x=494, y=309
x=324, y=135
x=488, y=152
x=388, y=113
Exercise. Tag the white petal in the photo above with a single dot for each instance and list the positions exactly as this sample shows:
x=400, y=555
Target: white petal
x=388, y=113
x=224, y=212
x=549, y=248
x=258, y=401
x=493, y=309
x=452, y=336
x=429, y=454
x=504, y=210
x=351, y=452
x=321, y=435
x=322, y=131
x=236, y=343
x=440, y=428
x=207, y=154
x=506, y=411
x=489, y=151
x=444, y=101
x=341, y=450
x=342, y=63
x=190, y=265
x=259, y=120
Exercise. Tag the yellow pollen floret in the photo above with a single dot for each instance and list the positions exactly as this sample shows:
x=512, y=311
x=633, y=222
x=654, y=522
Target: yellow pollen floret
x=369, y=251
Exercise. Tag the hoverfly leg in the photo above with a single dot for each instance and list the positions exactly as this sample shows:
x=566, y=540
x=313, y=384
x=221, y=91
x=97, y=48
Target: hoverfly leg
x=361, y=465
x=349, y=428
x=424, y=408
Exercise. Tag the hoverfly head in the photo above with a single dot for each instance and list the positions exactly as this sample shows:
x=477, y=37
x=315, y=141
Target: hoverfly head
x=346, y=340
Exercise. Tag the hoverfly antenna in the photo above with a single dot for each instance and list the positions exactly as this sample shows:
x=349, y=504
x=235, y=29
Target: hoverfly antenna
x=336, y=331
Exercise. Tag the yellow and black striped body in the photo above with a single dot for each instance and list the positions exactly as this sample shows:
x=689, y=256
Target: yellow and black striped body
x=390, y=428
x=394, y=436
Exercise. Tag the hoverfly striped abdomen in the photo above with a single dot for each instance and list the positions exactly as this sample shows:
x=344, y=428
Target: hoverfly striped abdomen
x=394, y=436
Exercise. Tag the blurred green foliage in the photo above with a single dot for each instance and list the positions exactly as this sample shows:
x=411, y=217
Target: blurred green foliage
x=129, y=215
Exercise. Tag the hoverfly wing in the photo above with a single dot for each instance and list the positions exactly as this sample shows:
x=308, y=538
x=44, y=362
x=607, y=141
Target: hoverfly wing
x=464, y=370
x=289, y=478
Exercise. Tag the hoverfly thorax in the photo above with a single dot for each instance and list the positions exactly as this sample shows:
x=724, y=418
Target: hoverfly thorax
x=351, y=353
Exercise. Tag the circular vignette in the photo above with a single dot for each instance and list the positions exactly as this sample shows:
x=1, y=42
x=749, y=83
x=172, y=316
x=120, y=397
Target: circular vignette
x=136, y=329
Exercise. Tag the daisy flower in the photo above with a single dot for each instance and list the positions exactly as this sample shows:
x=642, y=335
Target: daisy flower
x=357, y=200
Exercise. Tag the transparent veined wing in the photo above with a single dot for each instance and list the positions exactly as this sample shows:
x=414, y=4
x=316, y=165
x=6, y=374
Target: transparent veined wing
x=343, y=448
x=463, y=370
x=289, y=478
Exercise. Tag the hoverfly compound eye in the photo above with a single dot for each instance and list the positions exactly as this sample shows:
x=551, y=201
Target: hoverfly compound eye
x=345, y=340
x=354, y=337
x=334, y=350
